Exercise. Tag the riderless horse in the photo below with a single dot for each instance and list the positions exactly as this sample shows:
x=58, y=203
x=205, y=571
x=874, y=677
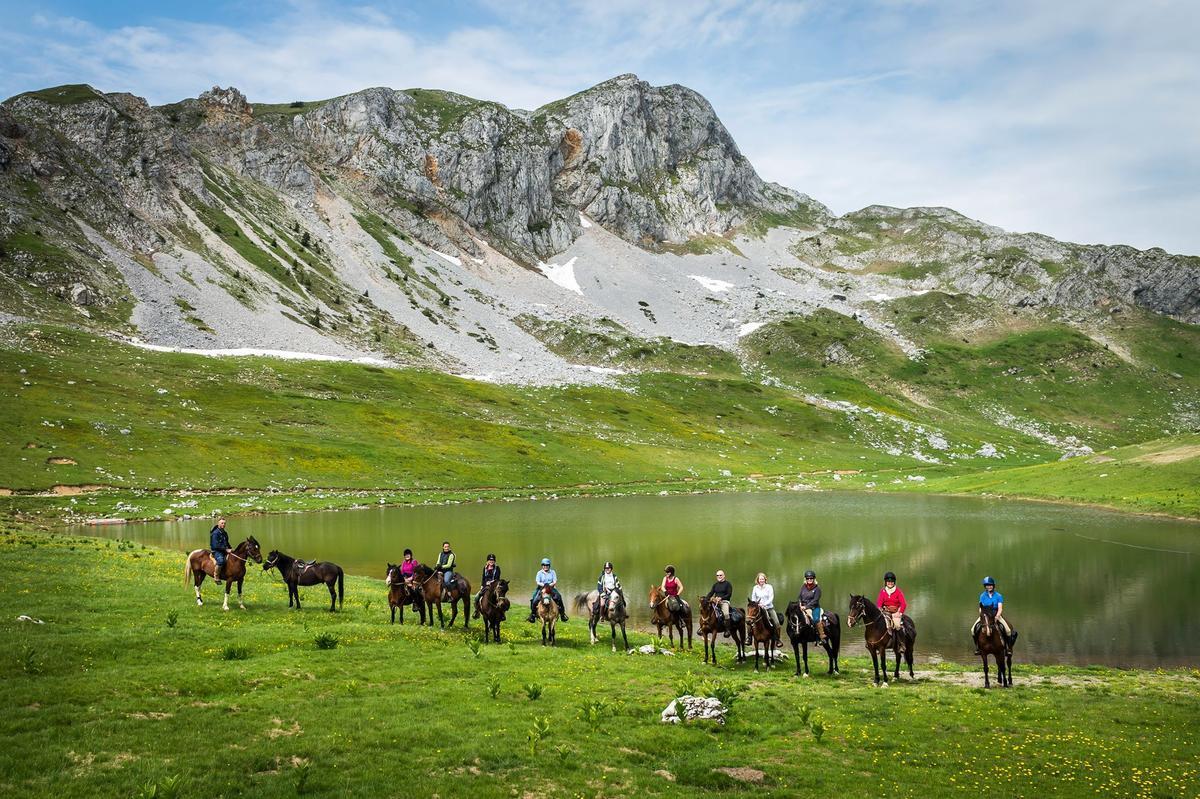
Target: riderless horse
x=200, y=563
x=672, y=619
x=879, y=636
x=802, y=633
x=308, y=572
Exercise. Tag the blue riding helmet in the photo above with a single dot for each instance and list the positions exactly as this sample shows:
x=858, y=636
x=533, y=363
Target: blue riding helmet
x=545, y=561
x=988, y=581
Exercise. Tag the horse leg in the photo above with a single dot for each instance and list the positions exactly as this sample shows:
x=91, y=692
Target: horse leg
x=441, y=618
x=882, y=657
x=394, y=615
x=295, y=589
x=908, y=658
x=199, y=579
x=240, y=603
x=1008, y=667
x=806, y=674
x=984, y=656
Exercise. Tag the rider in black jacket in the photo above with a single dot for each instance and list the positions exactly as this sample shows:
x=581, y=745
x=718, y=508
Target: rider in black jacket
x=722, y=590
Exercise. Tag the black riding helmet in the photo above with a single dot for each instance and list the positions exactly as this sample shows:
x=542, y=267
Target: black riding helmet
x=491, y=557
x=889, y=577
x=810, y=573
x=608, y=564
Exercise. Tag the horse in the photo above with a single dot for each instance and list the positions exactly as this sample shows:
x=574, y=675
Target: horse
x=429, y=584
x=758, y=629
x=200, y=563
x=298, y=572
x=492, y=606
x=803, y=633
x=616, y=612
x=990, y=640
x=712, y=627
x=879, y=637
x=547, y=611
x=671, y=619
x=401, y=593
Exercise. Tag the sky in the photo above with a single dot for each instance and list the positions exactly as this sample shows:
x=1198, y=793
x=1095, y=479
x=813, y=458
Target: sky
x=1079, y=119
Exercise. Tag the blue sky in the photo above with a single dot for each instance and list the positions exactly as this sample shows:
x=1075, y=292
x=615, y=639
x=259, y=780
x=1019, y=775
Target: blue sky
x=1076, y=119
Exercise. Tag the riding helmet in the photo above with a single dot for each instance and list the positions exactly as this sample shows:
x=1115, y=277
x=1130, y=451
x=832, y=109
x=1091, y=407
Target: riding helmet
x=889, y=576
x=988, y=581
x=810, y=573
x=608, y=564
x=545, y=561
x=491, y=556
x=408, y=552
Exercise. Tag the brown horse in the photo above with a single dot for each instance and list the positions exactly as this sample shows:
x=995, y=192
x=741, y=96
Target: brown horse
x=547, y=611
x=298, y=572
x=664, y=616
x=429, y=584
x=615, y=612
x=492, y=606
x=758, y=628
x=989, y=638
x=879, y=637
x=712, y=626
x=200, y=564
x=401, y=593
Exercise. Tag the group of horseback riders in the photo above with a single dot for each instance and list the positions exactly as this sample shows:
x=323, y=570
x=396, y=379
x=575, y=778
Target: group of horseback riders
x=891, y=601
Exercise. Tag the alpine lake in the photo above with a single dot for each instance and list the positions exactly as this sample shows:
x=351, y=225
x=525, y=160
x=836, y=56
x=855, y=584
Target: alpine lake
x=1081, y=585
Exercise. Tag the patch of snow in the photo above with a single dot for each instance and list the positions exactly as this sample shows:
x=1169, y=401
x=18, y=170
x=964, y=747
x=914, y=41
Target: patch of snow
x=242, y=352
x=562, y=275
x=749, y=328
x=601, y=370
x=881, y=297
x=711, y=283
x=454, y=259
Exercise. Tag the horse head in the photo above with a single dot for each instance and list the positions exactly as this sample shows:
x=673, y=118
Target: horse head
x=656, y=596
x=794, y=616
x=858, y=607
x=272, y=560
x=705, y=605
x=753, y=612
x=393, y=576
x=252, y=549
x=500, y=587
x=547, y=595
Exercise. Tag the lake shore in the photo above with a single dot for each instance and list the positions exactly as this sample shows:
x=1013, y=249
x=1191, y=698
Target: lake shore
x=113, y=687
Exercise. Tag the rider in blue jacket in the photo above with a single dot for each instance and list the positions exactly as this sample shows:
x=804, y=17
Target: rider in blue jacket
x=991, y=598
x=546, y=576
x=218, y=545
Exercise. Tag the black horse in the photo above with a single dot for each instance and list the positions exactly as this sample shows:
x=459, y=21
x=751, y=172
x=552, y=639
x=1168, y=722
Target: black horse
x=299, y=572
x=802, y=634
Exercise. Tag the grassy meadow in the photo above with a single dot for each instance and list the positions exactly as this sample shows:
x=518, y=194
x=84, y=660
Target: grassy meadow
x=128, y=688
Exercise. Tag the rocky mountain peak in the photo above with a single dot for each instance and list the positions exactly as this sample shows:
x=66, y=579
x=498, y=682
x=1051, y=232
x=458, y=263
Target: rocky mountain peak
x=217, y=102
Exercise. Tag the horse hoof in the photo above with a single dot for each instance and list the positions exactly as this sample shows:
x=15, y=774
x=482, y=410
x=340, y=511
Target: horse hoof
x=883, y=685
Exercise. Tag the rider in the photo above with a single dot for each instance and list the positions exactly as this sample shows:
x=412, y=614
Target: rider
x=491, y=573
x=408, y=567
x=810, y=602
x=891, y=601
x=218, y=545
x=764, y=595
x=672, y=586
x=546, y=577
x=722, y=591
x=991, y=598
x=606, y=584
x=445, y=567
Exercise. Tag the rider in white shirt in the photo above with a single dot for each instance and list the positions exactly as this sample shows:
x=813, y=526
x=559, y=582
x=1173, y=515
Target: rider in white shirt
x=764, y=595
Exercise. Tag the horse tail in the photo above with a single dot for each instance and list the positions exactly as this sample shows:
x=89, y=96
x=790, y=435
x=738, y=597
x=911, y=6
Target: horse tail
x=581, y=601
x=187, y=569
x=341, y=592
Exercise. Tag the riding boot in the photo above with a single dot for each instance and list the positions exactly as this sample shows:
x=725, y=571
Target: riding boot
x=220, y=575
x=532, y=611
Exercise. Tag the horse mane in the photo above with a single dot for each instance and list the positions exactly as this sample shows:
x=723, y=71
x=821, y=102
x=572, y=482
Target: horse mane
x=423, y=570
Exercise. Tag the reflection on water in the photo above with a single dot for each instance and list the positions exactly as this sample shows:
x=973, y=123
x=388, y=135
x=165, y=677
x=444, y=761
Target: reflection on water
x=1081, y=585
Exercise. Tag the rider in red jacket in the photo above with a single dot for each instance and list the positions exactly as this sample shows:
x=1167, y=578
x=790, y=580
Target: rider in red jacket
x=891, y=601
